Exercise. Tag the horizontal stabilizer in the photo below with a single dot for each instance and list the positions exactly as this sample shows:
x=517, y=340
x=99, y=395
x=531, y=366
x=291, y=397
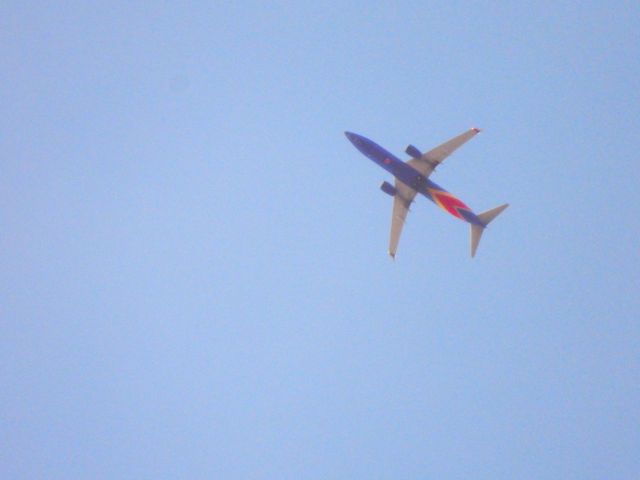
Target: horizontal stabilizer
x=476, y=233
x=486, y=217
x=478, y=230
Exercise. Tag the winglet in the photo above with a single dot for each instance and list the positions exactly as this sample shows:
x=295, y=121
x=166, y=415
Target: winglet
x=475, y=129
x=392, y=255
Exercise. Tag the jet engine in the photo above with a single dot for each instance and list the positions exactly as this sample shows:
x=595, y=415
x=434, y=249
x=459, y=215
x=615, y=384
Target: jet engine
x=413, y=151
x=389, y=189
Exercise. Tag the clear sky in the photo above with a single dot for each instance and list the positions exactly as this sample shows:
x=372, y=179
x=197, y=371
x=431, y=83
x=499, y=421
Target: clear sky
x=194, y=280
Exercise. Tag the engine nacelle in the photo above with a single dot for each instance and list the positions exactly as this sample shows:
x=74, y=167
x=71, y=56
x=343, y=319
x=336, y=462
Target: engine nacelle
x=389, y=189
x=413, y=151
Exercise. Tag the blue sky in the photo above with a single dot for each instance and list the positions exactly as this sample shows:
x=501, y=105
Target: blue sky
x=194, y=277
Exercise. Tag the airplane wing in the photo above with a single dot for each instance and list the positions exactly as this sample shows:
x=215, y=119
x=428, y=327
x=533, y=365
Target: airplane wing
x=430, y=160
x=401, y=202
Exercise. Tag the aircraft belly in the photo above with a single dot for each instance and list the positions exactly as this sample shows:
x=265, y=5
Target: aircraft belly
x=409, y=176
x=412, y=177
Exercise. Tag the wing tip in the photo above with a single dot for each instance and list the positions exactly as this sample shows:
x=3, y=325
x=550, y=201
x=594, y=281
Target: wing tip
x=476, y=129
x=392, y=255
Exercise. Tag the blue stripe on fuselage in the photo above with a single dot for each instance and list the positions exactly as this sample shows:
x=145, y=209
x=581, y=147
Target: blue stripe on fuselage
x=387, y=160
x=401, y=170
x=375, y=152
x=470, y=217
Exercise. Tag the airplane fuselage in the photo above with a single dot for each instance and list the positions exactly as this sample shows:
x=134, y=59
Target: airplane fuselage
x=412, y=178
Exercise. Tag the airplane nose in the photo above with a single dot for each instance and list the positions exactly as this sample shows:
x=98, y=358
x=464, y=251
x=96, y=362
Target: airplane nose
x=353, y=138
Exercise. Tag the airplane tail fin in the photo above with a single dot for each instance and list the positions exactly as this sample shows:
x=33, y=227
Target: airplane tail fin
x=477, y=230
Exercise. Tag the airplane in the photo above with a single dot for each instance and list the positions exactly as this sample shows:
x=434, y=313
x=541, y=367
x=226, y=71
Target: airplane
x=412, y=177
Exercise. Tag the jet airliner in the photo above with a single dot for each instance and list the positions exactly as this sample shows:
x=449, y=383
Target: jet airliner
x=412, y=177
